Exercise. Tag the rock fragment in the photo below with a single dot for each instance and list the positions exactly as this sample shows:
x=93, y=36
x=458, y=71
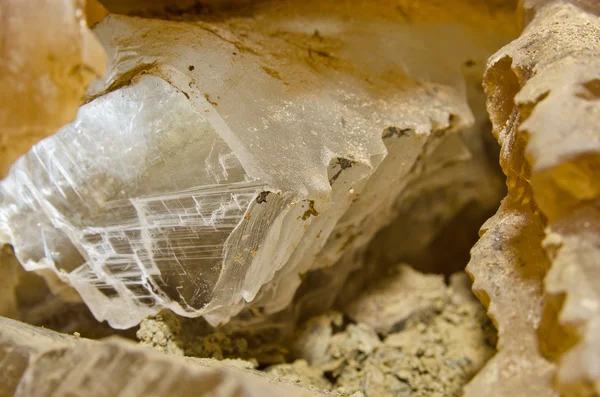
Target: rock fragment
x=37, y=362
x=404, y=293
x=435, y=353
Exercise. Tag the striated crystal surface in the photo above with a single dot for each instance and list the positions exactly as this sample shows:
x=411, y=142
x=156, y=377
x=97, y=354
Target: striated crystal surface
x=218, y=163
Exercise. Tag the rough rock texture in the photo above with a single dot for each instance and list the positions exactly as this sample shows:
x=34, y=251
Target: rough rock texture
x=162, y=332
x=388, y=304
x=48, y=57
x=508, y=265
x=252, y=150
x=443, y=340
x=262, y=343
x=232, y=164
x=37, y=362
x=530, y=7
x=536, y=265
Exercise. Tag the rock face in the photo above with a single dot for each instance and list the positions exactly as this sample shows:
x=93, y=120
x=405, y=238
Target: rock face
x=536, y=265
x=217, y=163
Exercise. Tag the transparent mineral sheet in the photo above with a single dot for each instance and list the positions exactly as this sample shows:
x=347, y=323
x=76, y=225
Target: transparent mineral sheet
x=218, y=163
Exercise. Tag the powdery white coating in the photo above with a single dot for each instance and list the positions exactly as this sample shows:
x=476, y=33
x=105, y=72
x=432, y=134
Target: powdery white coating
x=212, y=171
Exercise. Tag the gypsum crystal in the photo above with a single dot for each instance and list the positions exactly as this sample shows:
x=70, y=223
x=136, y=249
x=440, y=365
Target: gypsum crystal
x=209, y=166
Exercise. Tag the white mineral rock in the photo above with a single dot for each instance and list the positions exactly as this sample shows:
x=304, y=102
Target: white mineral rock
x=218, y=162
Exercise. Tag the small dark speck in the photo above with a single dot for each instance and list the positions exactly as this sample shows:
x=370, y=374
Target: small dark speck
x=262, y=197
x=403, y=13
x=345, y=163
x=317, y=35
x=395, y=132
x=235, y=53
x=207, y=97
x=470, y=63
x=191, y=67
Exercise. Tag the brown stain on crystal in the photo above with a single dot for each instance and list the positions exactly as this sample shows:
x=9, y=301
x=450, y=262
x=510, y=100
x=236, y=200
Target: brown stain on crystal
x=591, y=90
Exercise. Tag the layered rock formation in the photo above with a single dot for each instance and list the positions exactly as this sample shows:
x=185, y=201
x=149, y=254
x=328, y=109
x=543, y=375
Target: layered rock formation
x=256, y=163
x=536, y=265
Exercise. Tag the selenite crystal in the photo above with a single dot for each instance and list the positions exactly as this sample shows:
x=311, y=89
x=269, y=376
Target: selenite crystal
x=258, y=163
x=217, y=164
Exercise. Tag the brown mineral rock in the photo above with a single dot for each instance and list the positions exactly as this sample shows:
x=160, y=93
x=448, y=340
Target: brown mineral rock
x=574, y=246
x=543, y=101
x=508, y=265
x=48, y=56
x=10, y=280
x=529, y=7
